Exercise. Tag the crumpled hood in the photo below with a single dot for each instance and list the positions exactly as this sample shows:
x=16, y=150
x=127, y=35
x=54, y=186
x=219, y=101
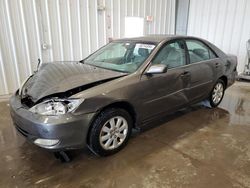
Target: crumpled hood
x=59, y=77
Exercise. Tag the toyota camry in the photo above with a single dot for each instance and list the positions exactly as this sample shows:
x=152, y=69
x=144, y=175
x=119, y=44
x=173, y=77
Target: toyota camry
x=125, y=85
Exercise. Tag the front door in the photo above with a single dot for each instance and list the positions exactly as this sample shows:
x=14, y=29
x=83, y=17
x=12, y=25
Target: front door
x=164, y=92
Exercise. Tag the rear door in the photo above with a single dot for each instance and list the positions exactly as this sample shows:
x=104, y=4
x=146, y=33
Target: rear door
x=201, y=70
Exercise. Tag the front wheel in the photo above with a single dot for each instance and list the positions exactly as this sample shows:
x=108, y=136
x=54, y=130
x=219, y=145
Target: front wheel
x=217, y=93
x=110, y=131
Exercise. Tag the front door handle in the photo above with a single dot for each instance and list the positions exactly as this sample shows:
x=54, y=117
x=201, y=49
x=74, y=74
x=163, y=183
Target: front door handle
x=185, y=73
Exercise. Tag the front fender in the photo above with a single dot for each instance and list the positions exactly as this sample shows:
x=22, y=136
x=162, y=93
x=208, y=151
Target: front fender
x=95, y=104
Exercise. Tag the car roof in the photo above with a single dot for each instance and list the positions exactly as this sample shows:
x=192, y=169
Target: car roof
x=158, y=38
x=152, y=38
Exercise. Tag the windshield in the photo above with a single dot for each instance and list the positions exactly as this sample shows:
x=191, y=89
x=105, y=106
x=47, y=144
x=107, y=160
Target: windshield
x=121, y=56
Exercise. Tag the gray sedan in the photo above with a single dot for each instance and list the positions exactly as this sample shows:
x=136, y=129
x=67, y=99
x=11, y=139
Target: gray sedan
x=126, y=84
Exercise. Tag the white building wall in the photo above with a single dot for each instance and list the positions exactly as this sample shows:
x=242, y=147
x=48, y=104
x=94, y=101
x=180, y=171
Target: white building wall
x=55, y=30
x=226, y=23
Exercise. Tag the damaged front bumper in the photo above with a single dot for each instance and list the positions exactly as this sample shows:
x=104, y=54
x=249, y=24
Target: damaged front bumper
x=56, y=133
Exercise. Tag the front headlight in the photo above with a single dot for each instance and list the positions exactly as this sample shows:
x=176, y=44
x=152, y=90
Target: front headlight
x=54, y=107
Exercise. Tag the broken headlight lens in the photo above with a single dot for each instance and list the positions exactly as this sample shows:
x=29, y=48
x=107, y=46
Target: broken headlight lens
x=56, y=107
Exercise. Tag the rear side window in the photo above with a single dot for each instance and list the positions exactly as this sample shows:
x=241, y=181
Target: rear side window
x=198, y=51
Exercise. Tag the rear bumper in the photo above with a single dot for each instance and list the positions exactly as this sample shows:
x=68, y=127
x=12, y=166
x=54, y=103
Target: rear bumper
x=71, y=130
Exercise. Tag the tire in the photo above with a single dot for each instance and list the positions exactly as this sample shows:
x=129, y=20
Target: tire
x=217, y=93
x=110, y=131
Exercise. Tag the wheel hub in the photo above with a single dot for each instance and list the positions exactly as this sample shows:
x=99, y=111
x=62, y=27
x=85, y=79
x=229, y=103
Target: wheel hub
x=113, y=133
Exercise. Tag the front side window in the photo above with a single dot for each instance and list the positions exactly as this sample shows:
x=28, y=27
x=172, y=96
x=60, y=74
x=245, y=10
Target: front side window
x=121, y=56
x=172, y=55
x=199, y=51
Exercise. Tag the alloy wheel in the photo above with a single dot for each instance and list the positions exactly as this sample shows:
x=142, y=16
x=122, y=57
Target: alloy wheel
x=217, y=93
x=113, y=133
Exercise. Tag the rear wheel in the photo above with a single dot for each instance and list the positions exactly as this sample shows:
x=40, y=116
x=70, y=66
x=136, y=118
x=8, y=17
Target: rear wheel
x=110, y=131
x=217, y=93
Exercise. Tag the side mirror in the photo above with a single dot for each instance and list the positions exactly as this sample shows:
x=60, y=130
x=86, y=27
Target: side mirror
x=157, y=69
